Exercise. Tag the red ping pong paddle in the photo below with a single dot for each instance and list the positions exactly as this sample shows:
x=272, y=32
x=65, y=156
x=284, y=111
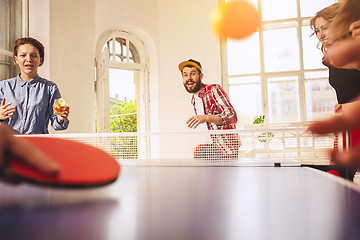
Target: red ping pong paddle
x=334, y=172
x=82, y=165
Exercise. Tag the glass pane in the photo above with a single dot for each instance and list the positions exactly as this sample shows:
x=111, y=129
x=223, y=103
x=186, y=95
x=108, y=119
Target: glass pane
x=283, y=97
x=121, y=84
x=281, y=50
x=244, y=56
x=312, y=54
x=308, y=8
x=5, y=69
x=105, y=46
x=320, y=96
x=123, y=108
x=246, y=98
x=278, y=9
x=117, y=47
x=124, y=52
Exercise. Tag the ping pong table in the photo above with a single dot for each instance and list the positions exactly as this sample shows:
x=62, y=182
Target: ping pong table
x=202, y=202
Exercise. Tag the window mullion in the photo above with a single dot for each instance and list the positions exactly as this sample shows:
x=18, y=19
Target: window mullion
x=301, y=81
x=25, y=17
x=127, y=50
x=113, y=48
x=225, y=74
x=264, y=91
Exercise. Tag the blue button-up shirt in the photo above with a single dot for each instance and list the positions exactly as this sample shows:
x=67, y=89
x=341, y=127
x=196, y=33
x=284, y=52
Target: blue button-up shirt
x=33, y=102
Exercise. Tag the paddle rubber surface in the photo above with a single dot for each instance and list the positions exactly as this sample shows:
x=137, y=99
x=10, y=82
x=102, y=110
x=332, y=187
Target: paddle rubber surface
x=82, y=165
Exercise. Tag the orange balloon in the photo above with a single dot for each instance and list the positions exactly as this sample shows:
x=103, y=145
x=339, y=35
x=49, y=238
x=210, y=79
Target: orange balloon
x=235, y=19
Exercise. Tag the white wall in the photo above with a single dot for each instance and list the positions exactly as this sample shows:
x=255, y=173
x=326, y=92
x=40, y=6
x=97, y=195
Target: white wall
x=139, y=17
x=185, y=32
x=72, y=46
x=172, y=31
x=66, y=28
x=39, y=28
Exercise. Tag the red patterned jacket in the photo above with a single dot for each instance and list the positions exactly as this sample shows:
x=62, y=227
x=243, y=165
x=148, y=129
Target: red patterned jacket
x=216, y=102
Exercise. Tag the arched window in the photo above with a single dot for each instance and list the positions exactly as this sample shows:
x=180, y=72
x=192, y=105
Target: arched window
x=121, y=78
x=122, y=50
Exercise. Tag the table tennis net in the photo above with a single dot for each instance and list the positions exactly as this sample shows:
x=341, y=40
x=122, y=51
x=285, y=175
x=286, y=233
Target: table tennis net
x=252, y=143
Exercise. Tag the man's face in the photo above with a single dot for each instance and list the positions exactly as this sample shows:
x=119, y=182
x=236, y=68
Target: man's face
x=191, y=79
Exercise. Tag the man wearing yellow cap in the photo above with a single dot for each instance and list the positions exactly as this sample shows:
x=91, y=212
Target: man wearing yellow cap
x=213, y=112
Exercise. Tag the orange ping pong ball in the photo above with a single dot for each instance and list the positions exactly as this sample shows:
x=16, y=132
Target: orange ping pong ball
x=236, y=19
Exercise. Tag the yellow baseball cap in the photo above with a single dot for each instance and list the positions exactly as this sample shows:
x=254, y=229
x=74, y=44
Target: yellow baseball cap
x=190, y=62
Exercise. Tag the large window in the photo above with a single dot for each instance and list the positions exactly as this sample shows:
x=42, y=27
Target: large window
x=278, y=71
x=10, y=29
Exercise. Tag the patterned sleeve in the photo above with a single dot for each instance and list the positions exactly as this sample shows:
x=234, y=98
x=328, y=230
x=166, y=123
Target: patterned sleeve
x=228, y=114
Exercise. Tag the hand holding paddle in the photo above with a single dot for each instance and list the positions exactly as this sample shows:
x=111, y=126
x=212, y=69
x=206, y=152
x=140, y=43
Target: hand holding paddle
x=54, y=161
x=10, y=144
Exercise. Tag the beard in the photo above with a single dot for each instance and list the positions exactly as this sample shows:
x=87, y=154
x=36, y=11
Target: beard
x=192, y=88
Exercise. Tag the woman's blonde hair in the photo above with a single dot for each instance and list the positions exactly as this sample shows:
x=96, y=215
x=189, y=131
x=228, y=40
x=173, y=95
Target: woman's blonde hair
x=349, y=12
x=328, y=14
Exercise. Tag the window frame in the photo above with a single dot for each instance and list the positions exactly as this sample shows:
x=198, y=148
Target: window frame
x=141, y=69
x=299, y=22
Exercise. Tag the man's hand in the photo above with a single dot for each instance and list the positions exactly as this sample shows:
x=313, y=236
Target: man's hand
x=195, y=120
